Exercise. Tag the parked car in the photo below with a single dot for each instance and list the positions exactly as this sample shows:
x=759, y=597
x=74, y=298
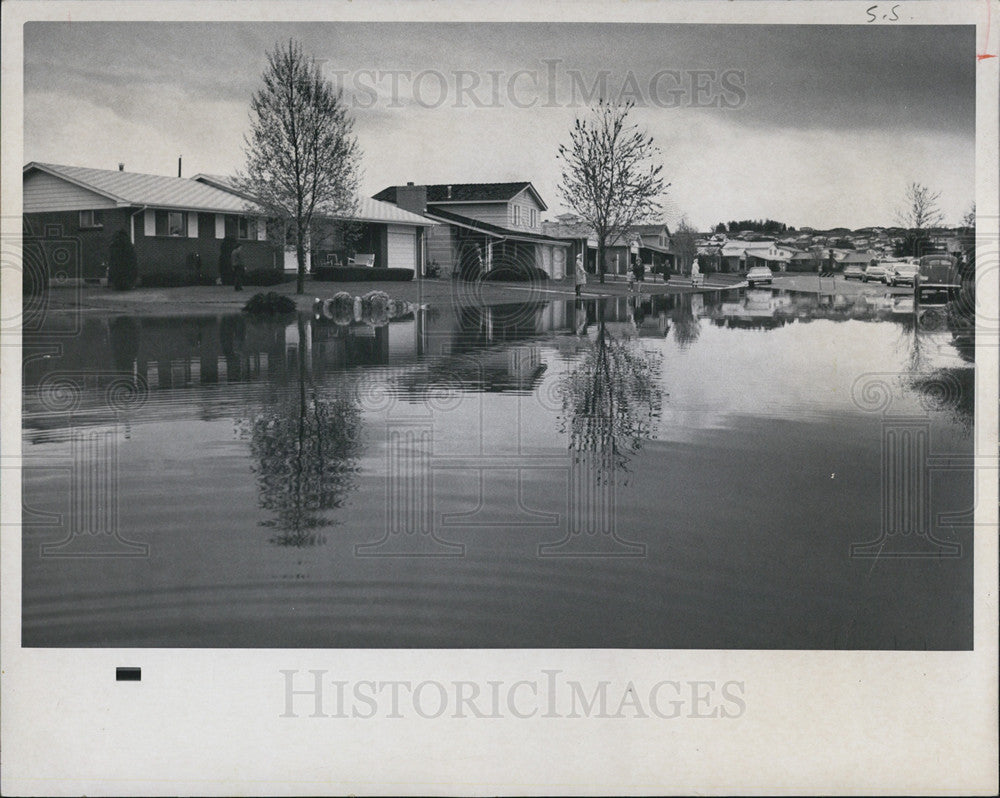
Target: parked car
x=854, y=272
x=758, y=275
x=937, y=278
x=875, y=271
x=901, y=274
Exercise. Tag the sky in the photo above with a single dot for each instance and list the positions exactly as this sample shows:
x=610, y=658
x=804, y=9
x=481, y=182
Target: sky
x=817, y=126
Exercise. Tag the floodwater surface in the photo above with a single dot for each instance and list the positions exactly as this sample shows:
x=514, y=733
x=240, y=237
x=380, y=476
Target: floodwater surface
x=747, y=469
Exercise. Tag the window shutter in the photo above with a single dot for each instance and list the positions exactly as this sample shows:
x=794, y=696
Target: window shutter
x=192, y=224
x=149, y=222
x=220, y=226
x=261, y=228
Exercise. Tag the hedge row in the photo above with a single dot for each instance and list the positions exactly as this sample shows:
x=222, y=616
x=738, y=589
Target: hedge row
x=365, y=274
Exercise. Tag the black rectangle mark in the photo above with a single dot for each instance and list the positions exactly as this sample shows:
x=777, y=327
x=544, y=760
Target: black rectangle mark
x=128, y=674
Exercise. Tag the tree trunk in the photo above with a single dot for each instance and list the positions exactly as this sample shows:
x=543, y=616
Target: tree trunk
x=300, y=257
x=600, y=261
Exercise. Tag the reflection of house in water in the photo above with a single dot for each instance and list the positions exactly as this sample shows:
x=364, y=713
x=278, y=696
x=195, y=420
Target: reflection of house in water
x=506, y=368
x=147, y=355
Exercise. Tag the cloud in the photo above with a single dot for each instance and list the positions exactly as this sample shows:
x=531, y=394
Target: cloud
x=836, y=119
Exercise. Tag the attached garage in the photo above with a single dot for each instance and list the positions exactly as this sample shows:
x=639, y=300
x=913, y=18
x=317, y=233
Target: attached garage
x=401, y=247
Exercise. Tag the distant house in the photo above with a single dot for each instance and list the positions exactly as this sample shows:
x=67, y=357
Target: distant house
x=775, y=256
x=852, y=257
x=174, y=223
x=803, y=262
x=654, y=245
x=482, y=226
x=651, y=242
x=736, y=255
x=394, y=236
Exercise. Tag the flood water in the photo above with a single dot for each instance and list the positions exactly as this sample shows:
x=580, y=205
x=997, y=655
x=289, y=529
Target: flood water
x=747, y=469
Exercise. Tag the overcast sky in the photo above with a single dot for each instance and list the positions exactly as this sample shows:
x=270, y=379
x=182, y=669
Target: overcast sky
x=820, y=126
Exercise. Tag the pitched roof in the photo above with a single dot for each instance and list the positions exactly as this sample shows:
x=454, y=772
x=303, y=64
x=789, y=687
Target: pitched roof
x=650, y=229
x=490, y=229
x=583, y=230
x=567, y=230
x=469, y=192
x=135, y=188
x=367, y=210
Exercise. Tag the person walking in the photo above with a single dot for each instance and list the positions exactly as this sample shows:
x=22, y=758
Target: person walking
x=239, y=268
x=579, y=274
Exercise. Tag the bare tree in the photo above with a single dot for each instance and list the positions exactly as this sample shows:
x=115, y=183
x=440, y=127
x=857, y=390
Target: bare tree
x=301, y=156
x=969, y=219
x=920, y=210
x=684, y=243
x=608, y=178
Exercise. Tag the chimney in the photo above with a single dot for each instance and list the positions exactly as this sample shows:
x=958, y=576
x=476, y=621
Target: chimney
x=178, y=166
x=121, y=166
x=412, y=198
x=409, y=182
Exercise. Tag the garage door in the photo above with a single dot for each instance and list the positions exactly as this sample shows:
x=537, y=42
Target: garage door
x=402, y=247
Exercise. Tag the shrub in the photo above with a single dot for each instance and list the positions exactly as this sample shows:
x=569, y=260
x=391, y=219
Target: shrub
x=375, y=308
x=122, y=270
x=521, y=273
x=341, y=308
x=360, y=274
x=269, y=303
x=432, y=270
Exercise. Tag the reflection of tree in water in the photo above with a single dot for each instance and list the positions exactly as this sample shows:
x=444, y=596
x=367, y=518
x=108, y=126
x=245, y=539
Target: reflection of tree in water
x=951, y=390
x=947, y=389
x=611, y=401
x=687, y=328
x=306, y=446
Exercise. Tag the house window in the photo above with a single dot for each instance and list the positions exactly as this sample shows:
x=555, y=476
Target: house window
x=534, y=217
x=171, y=223
x=90, y=219
x=247, y=228
x=517, y=214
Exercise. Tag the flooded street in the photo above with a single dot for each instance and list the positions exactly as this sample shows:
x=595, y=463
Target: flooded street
x=741, y=469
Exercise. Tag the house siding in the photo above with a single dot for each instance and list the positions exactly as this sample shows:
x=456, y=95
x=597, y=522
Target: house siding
x=442, y=248
x=170, y=254
x=44, y=192
x=492, y=212
x=526, y=202
x=83, y=251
